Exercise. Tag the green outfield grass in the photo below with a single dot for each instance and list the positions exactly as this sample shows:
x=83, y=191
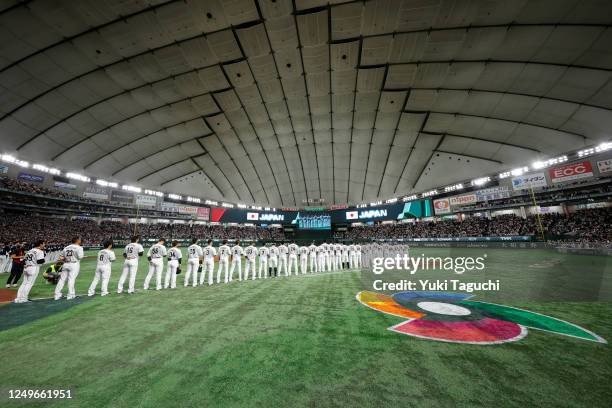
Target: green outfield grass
x=306, y=341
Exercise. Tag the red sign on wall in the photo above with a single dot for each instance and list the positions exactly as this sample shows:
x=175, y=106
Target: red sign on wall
x=571, y=172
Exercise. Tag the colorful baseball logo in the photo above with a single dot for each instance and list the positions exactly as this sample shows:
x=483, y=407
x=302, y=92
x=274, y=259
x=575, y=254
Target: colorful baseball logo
x=452, y=317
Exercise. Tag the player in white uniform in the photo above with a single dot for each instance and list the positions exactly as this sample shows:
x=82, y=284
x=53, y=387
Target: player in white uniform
x=250, y=254
x=237, y=253
x=321, y=257
x=224, y=254
x=175, y=259
x=263, y=262
x=273, y=262
x=303, y=251
x=338, y=256
x=131, y=253
x=156, y=255
x=345, y=256
x=103, y=269
x=330, y=256
x=194, y=260
x=352, y=256
x=209, y=263
x=293, y=253
x=72, y=256
x=312, y=254
x=283, y=252
x=358, y=255
x=31, y=266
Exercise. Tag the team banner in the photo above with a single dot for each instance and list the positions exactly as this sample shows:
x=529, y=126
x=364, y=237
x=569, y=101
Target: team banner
x=492, y=193
x=96, y=193
x=33, y=178
x=442, y=206
x=143, y=200
x=64, y=186
x=464, y=199
x=604, y=166
x=571, y=172
x=527, y=181
x=121, y=196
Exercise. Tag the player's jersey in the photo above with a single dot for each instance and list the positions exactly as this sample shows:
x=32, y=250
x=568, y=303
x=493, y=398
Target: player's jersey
x=105, y=257
x=157, y=251
x=250, y=252
x=312, y=250
x=283, y=250
x=323, y=247
x=273, y=252
x=174, y=254
x=358, y=248
x=345, y=250
x=303, y=251
x=237, y=251
x=209, y=252
x=293, y=249
x=194, y=251
x=351, y=249
x=264, y=252
x=32, y=257
x=132, y=250
x=224, y=251
x=72, y=253
x=338, y=249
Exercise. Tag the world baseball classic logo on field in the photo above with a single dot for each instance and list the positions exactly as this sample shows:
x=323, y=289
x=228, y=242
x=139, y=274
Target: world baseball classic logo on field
x=453, y=318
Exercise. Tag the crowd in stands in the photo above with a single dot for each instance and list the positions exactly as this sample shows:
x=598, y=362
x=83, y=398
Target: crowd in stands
x=584, y=226
x=58, y=230
x=33, y=188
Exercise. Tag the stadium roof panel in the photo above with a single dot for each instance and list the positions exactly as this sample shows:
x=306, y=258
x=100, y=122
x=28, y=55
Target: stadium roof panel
x=275, y=103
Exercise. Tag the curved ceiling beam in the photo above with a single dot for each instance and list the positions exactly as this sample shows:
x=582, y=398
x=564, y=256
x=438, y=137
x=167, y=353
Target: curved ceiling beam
x=502, y=93
x=82, y=33
x=138, y=139
x=160, y=151
x=18, y=4
x=130, y=118
x=497, y=118
x=480, y=139
x=103, y=67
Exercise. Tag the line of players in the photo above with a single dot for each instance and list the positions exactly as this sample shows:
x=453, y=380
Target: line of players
x=273, y=261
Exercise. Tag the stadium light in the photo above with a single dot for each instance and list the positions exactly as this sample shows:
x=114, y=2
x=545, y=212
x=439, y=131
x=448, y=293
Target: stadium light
x=77, y=176
x=481, y=181
x=453, y=188
x=175, y=197
x=105, y=183
x=13, y=160
x=241, y=205
x=410, y=198
x=547, y=163
x=256, y=207
x=375, y=203
x=516, y=172
x=391, y=201
x=228, y=205
x=45, y=169
x=586, y=152
x=429, y=193
x=131, y=188
x=193, y=199
x=211, y=202
x=603, y=147
x=154, y=193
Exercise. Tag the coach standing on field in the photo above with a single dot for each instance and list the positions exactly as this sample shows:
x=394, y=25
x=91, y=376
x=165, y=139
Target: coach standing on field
x=16, y=255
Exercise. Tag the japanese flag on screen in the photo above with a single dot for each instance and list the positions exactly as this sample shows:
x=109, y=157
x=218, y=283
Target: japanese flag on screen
x=252, y=216
x=352, y=215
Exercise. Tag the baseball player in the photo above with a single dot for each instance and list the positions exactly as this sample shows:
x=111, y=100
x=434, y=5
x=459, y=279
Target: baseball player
x=103, y=269
x=263, y=262
x=175, y=259
x=312, y=252
x=358, y=255
x=345, y=256
x=237, y=253
x=352, y=256
x=194, y=260
x=293, y=253
x=321, y=257
x=273, y=260
x=330, y=256
x=283, y=251
x=209, y=262
x=156, y=255
x=131, y=253
x=303, y=251
x=72, y=256
x=250, y=253
x=32, y=261
x=337, y=256
x=224, y=254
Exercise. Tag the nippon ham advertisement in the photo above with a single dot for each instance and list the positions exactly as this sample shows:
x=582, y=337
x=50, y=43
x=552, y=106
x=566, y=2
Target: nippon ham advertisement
x=571, y=172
